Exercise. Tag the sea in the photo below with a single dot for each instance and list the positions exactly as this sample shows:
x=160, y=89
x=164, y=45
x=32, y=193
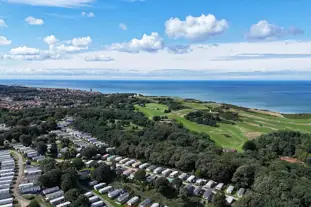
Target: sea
x=279, y=96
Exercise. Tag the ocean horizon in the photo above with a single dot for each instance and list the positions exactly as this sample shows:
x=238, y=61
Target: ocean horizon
x=280, y=96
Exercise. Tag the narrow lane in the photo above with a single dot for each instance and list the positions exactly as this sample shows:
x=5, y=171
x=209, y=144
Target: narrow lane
x=21, y=200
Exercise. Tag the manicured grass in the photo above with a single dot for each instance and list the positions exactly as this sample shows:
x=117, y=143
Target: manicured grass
x=105, y=197
x=252, y=124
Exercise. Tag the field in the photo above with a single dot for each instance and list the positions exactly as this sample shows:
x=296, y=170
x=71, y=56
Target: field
x=252, y=123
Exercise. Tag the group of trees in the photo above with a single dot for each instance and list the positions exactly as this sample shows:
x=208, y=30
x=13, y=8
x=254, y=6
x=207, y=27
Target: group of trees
x=172, y=104
x=205, y=118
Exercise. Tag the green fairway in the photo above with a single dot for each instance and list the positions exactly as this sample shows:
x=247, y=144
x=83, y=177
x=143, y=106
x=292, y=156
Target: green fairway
x=251, y=124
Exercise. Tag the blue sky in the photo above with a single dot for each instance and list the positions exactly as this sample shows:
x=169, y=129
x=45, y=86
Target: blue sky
x=128, y=38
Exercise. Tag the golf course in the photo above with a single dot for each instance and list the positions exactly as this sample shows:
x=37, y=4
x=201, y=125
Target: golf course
x=251, y=124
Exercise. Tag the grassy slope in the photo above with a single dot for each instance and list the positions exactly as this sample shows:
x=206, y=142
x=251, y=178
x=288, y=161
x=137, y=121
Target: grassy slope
x=252, y=124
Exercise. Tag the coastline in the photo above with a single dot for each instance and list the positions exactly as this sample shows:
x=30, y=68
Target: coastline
x=279, y=96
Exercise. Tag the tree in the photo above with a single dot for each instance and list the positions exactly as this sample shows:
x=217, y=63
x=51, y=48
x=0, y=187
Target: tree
x=72, y=195
x=34, y=203
x=244, y=176
x=89, y=152
x=53, y=149
x=249, y=145
x=51, y=178
x=25, y=140
x=219, y=200
x=140, y=175
x=163, y=186
x=66, y=185
x=42, y=148
x=177, y=183
x=81, y=201
x=78, y=163
x=103, y=173
x=156, y=118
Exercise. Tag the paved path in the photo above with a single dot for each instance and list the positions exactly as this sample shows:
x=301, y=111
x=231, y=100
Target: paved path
x=21, y=200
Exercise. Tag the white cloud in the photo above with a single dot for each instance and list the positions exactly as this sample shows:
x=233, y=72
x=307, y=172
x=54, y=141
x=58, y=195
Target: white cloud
x=148, y=43
x=66, y=48
x=98, y=57
x=88, y=14
x=50, y=40
x=195, y=28
x=263, y=30
x=81, y=41
x=54, y=3
x=2, y=23
x=24, y=51
x=4, y=41
x=34, y=21
x=123, y=26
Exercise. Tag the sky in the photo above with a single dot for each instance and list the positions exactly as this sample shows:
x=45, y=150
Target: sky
x=155, y=39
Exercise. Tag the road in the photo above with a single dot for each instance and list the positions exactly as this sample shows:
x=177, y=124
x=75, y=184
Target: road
x=21, y=200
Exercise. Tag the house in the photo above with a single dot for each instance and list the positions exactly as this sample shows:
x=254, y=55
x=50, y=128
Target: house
x=230, y=189
x=241, y=192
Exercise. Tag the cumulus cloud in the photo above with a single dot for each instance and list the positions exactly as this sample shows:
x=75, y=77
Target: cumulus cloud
x=50, y=40
x=4, y=41
x=88, y=14
x=263, y=30
x=123, y=26
x=99, y=58
x=81, y=41
x=34, y=21
x=2, y=23
x=195, y=28
x=24, y=51
x=148, y=43
x=54, y=3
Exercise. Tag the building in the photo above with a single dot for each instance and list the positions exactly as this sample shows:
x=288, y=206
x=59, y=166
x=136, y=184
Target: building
x=241, y=192
x=230, y=189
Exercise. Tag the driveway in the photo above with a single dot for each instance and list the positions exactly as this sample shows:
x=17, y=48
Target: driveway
x=21, y=200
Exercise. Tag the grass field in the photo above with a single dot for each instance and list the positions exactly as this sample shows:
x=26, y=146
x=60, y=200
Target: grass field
x=251, y=125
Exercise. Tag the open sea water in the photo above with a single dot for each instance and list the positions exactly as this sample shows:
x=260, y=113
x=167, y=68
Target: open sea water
x=280, y=96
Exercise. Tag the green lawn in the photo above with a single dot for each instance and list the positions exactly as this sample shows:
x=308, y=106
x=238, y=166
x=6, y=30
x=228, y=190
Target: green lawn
x=252, y=124
x=105, y=197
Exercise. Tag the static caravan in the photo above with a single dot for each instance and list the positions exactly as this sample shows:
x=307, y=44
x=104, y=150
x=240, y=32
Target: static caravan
x=133, y=201
x=129, y=163
x=174, y=174
x=123, y=198
x=50, y=190
x=93, y=199
x=230, y=189
x=104, y=157
x=209, y=184
x=155, y=205
x=158, y=170
x=4, y=191
x=32, y=190
x=3, y=182
x=144, y=166
x=150, y=168
x=230, y=199
x=25, y=185
x=54, y=195
x=89, y=163
x=128, y=172
x=124, y=160
x=241, y=192
x=136, y=164
x=208, y=195
x=97, y=204
x=166, y=172
x=111, y=158
x=7, y=170
x=88, y=194
x=105, y=190
x=118, y=159
x=6, y=201
x=145, y=203
x=64, y=204
x=191, y=179
x=7, y=205
x=4, y=186
x=92, y=183
x=57, y=201
x=7, y=178
x=219, y=186
x=7, y=174
x=114, y=194
x=99, y=186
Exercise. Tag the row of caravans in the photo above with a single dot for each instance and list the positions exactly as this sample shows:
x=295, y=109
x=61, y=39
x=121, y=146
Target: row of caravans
x=7, y=174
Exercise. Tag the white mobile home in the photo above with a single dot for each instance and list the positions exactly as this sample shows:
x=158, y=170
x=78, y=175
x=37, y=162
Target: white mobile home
x=105, y=190
x=97, y=204
x=64, y=204
x=54, y=195
x=133, y=201
x=93, y=199
x=57, y=201
x=6, y=201
x=50, y=190
x=99, y=186
x=191, y=179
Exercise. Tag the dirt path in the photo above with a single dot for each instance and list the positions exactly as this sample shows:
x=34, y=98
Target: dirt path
x=21, y=200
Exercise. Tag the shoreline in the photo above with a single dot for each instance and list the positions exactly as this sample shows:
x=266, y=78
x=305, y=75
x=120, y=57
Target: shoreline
x=84, y=89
